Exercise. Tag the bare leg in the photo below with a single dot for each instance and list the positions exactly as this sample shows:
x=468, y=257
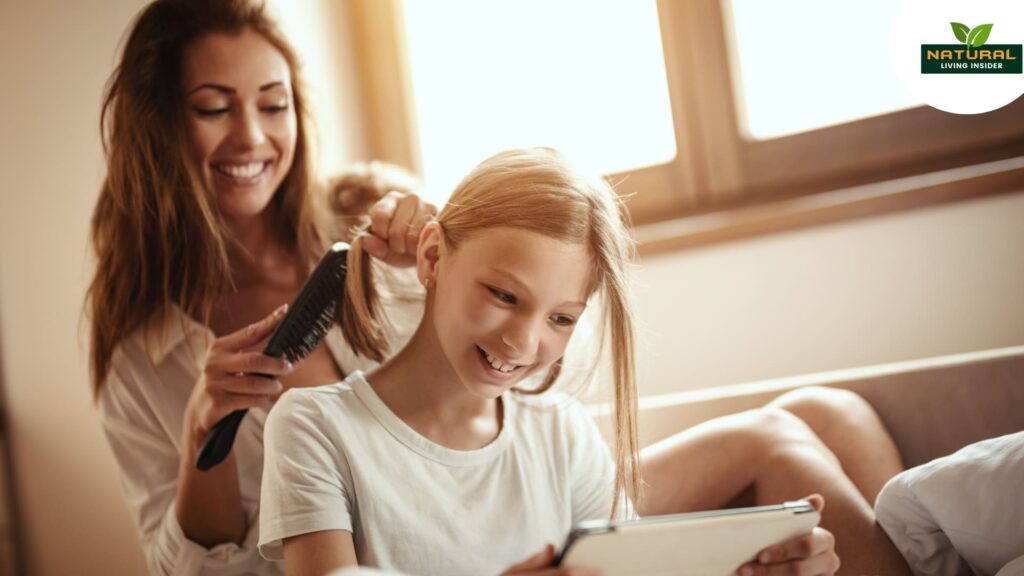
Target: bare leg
x=776, y=457
x=851, y=430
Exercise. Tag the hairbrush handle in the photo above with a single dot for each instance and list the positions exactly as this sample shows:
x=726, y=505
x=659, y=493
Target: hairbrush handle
x=218, y=443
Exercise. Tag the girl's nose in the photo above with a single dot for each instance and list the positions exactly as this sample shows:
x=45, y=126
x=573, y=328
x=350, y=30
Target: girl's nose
x=521, y=336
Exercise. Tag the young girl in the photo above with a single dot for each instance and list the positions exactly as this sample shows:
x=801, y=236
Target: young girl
x=441, y=461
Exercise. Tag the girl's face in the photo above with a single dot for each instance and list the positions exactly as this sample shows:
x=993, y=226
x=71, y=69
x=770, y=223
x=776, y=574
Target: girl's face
x=240, y=119
x=505, y=303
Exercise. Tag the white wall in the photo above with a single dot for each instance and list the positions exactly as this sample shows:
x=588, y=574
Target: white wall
x=935, y=281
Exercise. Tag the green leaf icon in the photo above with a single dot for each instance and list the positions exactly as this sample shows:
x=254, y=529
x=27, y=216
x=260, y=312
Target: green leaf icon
x=960, y=30
x=979, y=35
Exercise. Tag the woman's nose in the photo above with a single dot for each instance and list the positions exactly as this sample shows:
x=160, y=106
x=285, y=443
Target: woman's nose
x=248, y=131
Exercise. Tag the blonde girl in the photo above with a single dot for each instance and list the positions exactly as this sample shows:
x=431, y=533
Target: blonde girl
x=448, y=459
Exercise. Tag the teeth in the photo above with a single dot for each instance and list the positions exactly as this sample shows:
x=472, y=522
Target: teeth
x=241, y=170
x=498, y=365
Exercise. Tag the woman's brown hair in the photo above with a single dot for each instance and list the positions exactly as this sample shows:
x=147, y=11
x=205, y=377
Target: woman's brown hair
x=158, y=238
x=537, y=190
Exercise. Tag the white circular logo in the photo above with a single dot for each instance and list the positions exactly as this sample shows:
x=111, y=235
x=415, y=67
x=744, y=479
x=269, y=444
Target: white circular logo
x=960, y=57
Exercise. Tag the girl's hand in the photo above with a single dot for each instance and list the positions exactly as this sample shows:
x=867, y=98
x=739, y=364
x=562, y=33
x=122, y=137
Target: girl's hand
x=812, y=554
x=540, y=565
x=395, y=224
x=231, y=378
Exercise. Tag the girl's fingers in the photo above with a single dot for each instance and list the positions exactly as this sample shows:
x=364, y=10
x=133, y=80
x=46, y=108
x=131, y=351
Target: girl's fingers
x=253, y=333
x=820, y=565
x=817, y=501
x=817, y=542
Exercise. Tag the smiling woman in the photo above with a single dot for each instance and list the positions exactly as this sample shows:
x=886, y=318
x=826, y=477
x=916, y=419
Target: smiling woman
x=206, y=225
x=243, y=127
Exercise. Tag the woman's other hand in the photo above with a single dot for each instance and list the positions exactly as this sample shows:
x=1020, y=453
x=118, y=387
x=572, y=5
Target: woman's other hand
x=233, y=378
x=395, y=224
x=540, y=565
x=812, y=554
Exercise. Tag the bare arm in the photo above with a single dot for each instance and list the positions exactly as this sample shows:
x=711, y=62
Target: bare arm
x=317, y=553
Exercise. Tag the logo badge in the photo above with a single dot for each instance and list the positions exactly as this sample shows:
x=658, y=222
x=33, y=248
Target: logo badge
x=972, y=56
x=979, y=73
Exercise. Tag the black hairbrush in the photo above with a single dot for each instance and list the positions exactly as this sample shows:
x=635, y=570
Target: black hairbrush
x=306, y=323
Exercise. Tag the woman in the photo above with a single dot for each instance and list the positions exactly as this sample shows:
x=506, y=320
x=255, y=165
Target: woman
x=205, y=226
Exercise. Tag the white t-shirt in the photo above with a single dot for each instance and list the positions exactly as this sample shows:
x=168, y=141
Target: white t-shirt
x=337, y=458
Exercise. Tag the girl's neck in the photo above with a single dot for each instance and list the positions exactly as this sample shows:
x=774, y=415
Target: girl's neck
x=419, y=385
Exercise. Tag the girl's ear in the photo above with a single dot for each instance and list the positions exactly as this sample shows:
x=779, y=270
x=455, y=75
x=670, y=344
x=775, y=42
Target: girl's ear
x=428, y=253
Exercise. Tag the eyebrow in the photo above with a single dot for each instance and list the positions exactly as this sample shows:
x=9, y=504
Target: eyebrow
x=230, y=90
x=515, y=280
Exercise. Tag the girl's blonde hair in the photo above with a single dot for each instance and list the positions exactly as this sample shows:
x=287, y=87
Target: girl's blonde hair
x=158, y=238
x=536, y=190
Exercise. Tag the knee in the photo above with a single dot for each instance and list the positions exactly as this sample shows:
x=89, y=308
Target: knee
x=821, y=406
x=771, y=427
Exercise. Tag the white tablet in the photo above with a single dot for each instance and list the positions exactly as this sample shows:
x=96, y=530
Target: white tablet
x=711, y=543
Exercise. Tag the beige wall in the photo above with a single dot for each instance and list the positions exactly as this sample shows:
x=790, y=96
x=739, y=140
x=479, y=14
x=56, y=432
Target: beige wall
x=935, y=281
x=930, y=282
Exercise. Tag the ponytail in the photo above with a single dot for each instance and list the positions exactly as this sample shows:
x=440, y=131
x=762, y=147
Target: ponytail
x=359, y=309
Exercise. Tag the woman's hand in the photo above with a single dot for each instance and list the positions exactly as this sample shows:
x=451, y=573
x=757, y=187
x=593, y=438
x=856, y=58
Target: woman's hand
x=232, y=378
x=812, y=554
x=540, y=565
x=395, y=224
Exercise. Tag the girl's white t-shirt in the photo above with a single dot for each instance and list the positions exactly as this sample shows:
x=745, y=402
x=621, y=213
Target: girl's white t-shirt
x=337, y=458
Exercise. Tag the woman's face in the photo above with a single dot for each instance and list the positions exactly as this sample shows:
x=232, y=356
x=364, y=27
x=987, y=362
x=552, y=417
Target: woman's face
x=240, y=118
x=505, y=304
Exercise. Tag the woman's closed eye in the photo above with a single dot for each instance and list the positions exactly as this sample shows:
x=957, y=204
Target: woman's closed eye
x=275, y=108
x=271, y=109
x=210, y=112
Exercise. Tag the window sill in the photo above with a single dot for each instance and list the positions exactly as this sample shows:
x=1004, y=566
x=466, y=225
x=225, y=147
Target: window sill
x=991, y=178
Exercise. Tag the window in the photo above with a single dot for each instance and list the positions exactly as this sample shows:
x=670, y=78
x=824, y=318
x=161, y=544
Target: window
x=728, y=160
x=592, y=86
x=778, y=95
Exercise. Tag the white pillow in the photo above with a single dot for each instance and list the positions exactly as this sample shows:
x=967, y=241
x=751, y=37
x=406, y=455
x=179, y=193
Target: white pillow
x=962, y=514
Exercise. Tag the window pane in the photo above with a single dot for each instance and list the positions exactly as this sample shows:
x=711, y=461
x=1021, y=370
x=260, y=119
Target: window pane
x=585, y=77
x=805, y=64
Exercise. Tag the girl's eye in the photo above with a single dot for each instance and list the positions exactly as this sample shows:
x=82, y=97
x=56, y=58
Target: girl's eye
x=563, y=320
x=209, y=112
x=505, y=297
x=275, y=109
